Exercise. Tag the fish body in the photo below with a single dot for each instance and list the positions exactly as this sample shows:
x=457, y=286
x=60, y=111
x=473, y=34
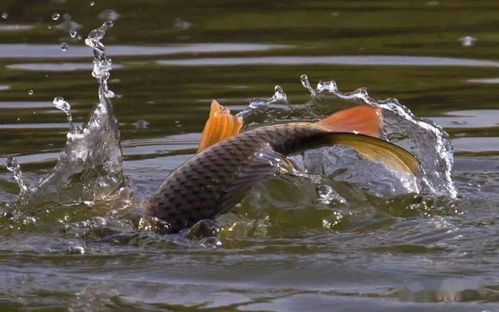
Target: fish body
x=215, y=180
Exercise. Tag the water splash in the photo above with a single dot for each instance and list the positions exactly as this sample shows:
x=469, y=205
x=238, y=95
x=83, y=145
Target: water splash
x=14, y=167
x=425, y=139
x=90, y=167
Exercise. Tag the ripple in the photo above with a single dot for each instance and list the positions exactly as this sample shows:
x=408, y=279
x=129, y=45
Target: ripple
x=55, y=66
x=54, y=51
x=37, y=126
x=476, y=144
x=15, y=27
x=482, y=118
x=33, y=158
x=485, y=80
x=25, y=104
x=337, y=60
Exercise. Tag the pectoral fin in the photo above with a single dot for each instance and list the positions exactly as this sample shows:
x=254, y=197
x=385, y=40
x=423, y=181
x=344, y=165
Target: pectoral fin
x=220, y=125
x=391, y=155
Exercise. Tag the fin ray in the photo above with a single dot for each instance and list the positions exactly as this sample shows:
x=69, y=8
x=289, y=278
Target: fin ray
x=220, y=125
x=360, y=119
x=391, y=155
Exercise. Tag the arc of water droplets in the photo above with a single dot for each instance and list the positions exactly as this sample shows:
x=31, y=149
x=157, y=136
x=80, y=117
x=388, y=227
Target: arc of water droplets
x=394, y=106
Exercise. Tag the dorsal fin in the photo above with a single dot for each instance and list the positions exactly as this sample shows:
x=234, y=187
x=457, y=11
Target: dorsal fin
x=220, y=125
x=360, y=119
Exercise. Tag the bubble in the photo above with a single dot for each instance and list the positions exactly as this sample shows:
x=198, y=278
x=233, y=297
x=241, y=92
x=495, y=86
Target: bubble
x=92, y=3
x=64, y=46
x=5, y=15
x=31, y=92
x=73, y=33
x=56, y=16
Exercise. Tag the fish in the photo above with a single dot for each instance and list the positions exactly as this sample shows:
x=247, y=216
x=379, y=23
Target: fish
x=229, y=162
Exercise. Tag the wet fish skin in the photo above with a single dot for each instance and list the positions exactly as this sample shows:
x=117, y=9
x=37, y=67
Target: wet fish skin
x=229, y=163
x=216, y=179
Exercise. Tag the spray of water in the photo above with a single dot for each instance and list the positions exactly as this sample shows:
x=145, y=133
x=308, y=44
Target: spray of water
x=426, y=140
x=90, y=167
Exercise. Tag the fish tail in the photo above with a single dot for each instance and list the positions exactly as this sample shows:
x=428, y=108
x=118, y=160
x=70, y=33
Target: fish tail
x=220, y=125
x=391, y=155
x=362, y=119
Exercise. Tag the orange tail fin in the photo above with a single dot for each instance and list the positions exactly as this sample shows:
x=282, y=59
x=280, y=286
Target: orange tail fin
x=221, y=125
x=361, y=119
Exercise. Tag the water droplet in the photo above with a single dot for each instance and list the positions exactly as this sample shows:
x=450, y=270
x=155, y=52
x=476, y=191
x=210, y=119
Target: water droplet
x=31, y=92
x=13, y=166
x=68, y=24
x=5, y=15
x=306, y=84
x=56, y=16
x=279, y=95
x=181, y=24
x=64, y=106
x=64, y=46
x=467, y=41
x=328, y=86
x=141, y=124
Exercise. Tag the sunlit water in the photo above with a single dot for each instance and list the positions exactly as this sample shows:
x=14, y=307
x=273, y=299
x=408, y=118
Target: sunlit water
x=347, y=233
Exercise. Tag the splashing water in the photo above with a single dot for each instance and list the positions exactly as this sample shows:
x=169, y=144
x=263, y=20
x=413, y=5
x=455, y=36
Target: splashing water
x=13, y=166
x=426, y=140
x=90, y=167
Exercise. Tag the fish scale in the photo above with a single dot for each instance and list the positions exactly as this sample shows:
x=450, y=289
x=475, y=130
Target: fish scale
x=216, y=179
x=195, y=189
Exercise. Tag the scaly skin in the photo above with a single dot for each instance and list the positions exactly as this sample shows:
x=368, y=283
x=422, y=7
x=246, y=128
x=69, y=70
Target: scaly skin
x=216, y=179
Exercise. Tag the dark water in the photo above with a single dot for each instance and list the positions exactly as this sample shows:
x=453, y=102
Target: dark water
x=281, y=250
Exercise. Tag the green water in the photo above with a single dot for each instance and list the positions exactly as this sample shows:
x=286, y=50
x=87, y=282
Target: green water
x=170, y=59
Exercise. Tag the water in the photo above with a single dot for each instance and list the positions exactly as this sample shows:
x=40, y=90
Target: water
x=348, y=236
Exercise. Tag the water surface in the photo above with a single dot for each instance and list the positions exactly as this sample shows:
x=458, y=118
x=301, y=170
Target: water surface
x=378, y=253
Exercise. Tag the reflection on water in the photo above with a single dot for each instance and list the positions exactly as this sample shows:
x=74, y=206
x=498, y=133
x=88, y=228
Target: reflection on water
x=483, y=118
x=54, y=51
x=48, y=67
x=338, y=60
x=282, y=248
